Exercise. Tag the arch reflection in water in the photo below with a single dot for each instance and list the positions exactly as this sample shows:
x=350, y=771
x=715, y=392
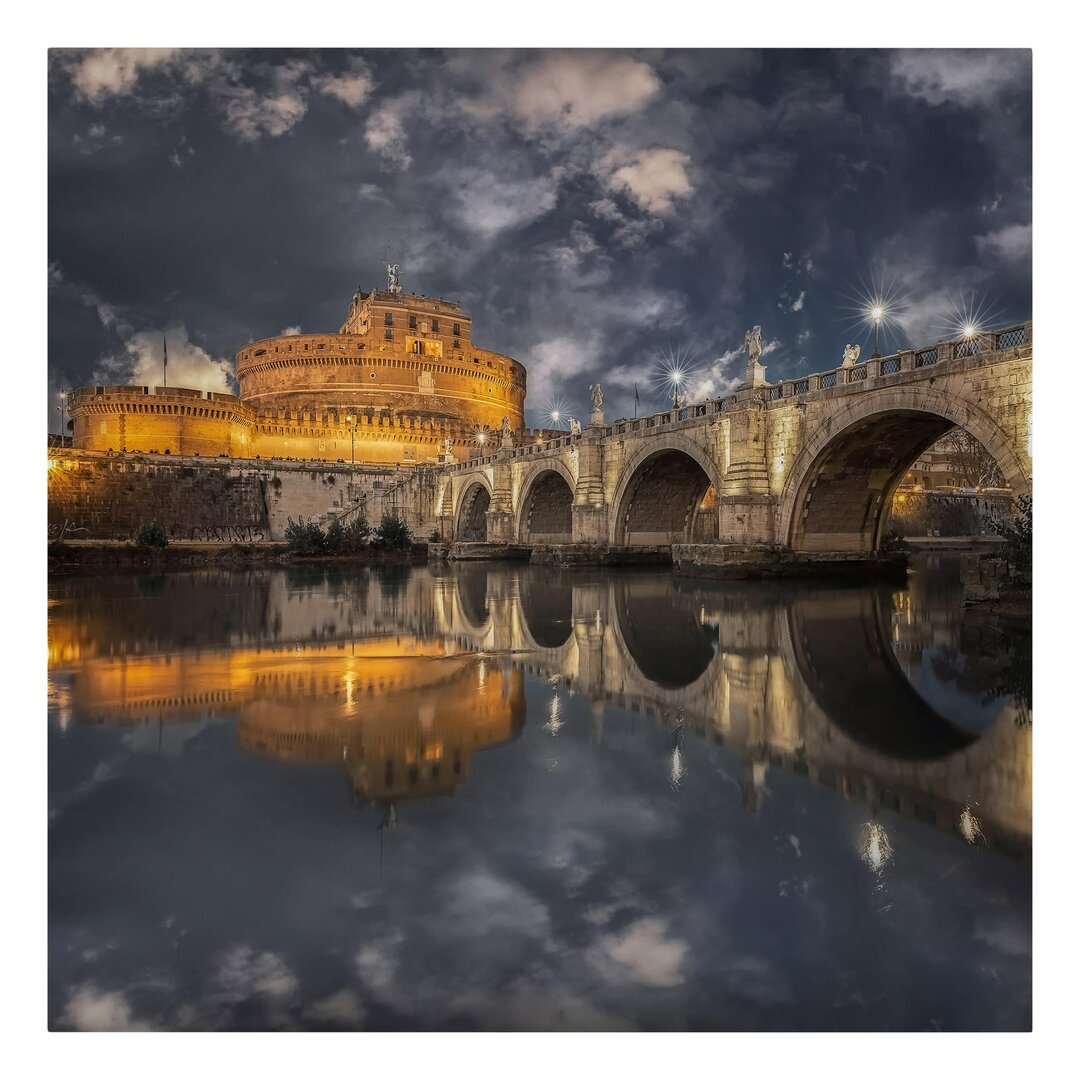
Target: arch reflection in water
x=395, y=676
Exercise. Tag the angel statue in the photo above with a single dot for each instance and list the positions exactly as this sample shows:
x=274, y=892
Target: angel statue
x=393, y=275
x=851, y=354
x=575, y=426
x=597, y=396
x=449, y=445
x=753, y=344
x=506, y=427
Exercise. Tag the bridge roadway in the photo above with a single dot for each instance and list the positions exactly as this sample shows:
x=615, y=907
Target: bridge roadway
x=807, y=465
x=778, y=675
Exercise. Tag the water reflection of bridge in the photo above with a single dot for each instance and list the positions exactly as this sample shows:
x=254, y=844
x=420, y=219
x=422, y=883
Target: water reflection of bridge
x=802, y=680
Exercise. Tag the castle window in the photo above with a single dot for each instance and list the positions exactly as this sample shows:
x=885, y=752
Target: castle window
x=388, y=318
x=389, y=335
x=457, y=329
x=412, y=322
x=435, y=325
x=457, y=344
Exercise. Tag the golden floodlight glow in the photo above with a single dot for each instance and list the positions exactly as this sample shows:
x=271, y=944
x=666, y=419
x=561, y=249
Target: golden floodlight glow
x=555, y=720
x=876, y=851
x=678, y=770
x=970, y=826
x=969, y=331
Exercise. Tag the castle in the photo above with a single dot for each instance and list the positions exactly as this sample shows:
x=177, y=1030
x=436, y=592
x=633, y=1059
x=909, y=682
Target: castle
x=400, y=383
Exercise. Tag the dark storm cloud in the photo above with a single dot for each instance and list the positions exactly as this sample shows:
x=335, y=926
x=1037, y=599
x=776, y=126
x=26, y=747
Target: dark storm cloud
x=592, y=210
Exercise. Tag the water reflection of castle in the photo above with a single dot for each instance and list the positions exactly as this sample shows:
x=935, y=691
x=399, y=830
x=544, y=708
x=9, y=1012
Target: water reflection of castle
x=401, y=677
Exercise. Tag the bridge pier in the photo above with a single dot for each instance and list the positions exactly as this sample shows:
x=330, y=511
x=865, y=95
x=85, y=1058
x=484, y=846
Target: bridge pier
x=589, y=524
x=747, y=519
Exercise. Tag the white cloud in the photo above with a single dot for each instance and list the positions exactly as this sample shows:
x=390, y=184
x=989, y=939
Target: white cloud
x=290, y=331
x=717, y=381
x=481, y=898
x=243, y=973
x=344, y=1007
x=799, y=301
x=249, y=113
x=576, y=89
x=101, y=73
x=352, y=88
x=91, y=1009
x=490, y=204
x=652, y=178
x=372, y=193
x=552, y=363
x=376, y=962
x=964, y=77
x=140, y=364
x=1011, y=243
x=646, y=952
x=384, y=132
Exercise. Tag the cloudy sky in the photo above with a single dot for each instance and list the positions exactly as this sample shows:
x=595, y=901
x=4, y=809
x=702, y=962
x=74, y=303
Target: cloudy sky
x=595, y=211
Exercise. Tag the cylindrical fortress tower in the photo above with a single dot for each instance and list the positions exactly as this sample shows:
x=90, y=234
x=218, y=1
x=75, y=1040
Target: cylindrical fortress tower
x=396, y=355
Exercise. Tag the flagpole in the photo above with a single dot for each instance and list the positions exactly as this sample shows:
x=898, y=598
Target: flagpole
x=165, y=362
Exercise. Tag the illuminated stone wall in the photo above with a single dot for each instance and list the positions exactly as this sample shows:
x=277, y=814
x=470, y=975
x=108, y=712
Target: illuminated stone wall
x=378, y=391
x=101, y=496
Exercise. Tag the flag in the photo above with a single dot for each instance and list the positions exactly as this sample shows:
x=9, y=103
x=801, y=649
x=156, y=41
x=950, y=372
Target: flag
x=165, y=362
x=635, y=399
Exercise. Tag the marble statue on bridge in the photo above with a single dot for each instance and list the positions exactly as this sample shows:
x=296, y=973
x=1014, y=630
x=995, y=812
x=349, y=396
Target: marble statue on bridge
x=851, y=355
x=596, y=417
x=755, y=370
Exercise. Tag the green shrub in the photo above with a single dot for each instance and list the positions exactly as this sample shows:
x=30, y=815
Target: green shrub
x=393, y=533
x=304, y=537
x=335, y=536
x=435, y=537
x=357, y=533
x=150, y=535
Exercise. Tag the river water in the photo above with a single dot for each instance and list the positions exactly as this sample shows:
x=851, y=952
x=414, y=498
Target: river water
x=506, y=797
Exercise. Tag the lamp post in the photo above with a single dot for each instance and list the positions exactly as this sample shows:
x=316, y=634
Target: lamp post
x=352, y=431
x=877, y=314
x=676, y=397
x=63, y=415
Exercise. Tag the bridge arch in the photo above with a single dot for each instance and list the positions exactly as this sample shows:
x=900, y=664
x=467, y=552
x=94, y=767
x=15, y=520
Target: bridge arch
x=660, y=491
x=545, y=514
x=472, y=512
x=862, y=459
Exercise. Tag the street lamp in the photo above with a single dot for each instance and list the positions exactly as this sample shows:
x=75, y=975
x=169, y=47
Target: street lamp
x=676, y=397
x=877, y=313
x=352, y=431
x=63, y=415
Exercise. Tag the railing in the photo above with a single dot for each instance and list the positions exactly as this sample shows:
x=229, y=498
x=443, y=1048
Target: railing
x=1010, y=339
x=876, y=367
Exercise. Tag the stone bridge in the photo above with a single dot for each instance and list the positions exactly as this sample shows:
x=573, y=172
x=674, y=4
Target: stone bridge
x=808, y=465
